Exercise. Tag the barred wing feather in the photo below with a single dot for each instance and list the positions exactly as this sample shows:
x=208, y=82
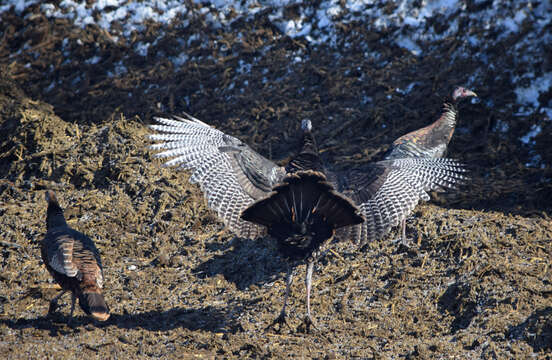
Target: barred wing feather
x=73, y=254
x=389, y=190
x=229, y=172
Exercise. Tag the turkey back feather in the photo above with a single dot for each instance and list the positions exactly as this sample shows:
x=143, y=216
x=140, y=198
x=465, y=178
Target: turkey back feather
x=92, y=303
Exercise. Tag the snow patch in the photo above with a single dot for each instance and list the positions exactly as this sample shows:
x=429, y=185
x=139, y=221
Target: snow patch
x=529, y=95
x=528, y=138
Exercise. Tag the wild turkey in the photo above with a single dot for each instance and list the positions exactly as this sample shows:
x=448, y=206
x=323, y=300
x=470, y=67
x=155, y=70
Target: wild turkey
x=302, y=212
x=430, y=141
x=241, y=185
x=74, y=262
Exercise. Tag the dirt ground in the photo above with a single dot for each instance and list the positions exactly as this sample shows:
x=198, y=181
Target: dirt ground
x=476, y=285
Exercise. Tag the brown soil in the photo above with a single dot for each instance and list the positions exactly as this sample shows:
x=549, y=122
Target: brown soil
x=477, y=285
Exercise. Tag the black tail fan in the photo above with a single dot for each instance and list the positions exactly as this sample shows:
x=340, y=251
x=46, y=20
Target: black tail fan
x=301, y=195
x=93, y=304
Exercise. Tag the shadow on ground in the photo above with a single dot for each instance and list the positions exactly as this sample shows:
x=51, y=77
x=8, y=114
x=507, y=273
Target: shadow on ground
x=209, y=319
x=536, y=330
x=244, y=262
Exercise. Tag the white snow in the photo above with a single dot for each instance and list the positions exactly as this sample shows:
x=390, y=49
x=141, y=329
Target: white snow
x=527, y=138
x=93, y=60
x=548, y=112
x=18, y=5
x=501, y=126
x=408, y=88
x=409, y=44
x=530, y=94
x=180, y=60
x=407, y=24
x=142, y=48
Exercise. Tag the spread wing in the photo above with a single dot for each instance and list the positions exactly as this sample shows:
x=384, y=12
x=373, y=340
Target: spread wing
x=229, y=172
x=388, y=191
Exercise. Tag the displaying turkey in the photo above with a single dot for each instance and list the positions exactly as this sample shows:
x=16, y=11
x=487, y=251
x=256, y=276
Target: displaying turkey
x=302, y=204
x=74, y=262
x=302, y=212
x=430, y=141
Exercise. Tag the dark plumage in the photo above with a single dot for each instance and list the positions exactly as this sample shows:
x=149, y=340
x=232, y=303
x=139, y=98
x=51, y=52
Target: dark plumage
x=303, y=204
x=74, y=262
x=302, y=212
x=430, y=141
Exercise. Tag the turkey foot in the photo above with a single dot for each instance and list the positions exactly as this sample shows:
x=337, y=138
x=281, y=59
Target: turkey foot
x=53, y=307
x=307, y=326
x=281, y=321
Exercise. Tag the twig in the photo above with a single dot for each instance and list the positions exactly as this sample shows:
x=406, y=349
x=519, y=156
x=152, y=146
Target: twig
x=338, y=256
x=10, y=244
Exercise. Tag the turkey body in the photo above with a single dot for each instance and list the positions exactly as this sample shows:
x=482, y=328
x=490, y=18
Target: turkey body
x=431, y=141
x=304, y=209
x=302, y=213
x=73, y=260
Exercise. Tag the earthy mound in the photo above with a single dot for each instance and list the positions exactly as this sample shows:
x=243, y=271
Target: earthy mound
x=478, y=284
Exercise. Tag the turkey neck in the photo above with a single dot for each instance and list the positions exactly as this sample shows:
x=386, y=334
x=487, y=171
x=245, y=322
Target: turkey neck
x=447, y=122
x=55, y=216
x=308, y=158
x=309, y=144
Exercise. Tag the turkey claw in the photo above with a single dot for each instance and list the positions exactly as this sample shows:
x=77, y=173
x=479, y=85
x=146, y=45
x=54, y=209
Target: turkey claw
x=280, y=320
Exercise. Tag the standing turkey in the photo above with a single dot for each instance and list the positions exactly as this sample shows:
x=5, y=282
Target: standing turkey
x=302, y=213
x=74, y=262
x=430, y=141
x=302, y=204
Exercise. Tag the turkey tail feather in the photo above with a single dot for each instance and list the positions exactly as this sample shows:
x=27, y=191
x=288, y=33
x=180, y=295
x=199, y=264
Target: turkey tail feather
x=301, y=194
x=93, y=303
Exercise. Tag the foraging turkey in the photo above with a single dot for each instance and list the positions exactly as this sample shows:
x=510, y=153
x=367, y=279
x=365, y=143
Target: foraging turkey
x=74, y=262
x=252, y=195
x=430, y=141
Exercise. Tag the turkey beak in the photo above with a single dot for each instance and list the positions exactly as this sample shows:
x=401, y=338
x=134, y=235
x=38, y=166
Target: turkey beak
x=469, y=93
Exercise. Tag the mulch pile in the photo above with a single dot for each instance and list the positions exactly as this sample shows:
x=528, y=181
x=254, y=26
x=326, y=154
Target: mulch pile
x=478, y=283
